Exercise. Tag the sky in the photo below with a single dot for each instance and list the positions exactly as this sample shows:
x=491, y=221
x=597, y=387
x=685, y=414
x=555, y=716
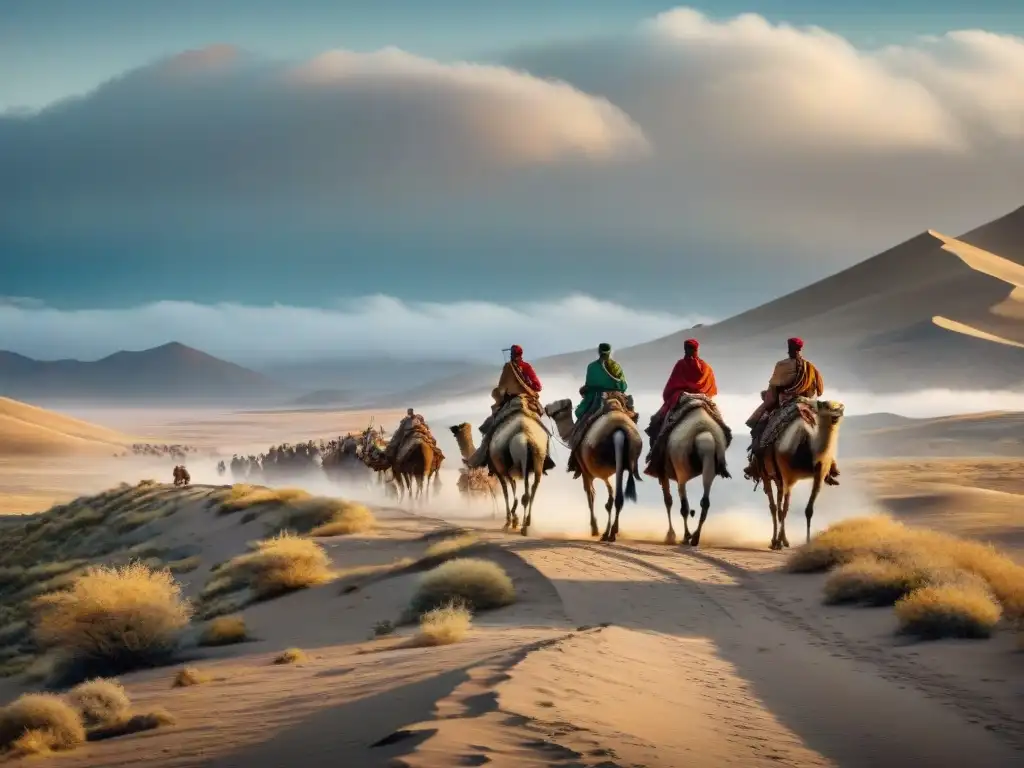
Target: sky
x=445, y=173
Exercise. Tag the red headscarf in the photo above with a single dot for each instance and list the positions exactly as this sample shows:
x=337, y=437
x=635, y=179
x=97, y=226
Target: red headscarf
x=690, y=375
x=516, y=351
x=795, y=344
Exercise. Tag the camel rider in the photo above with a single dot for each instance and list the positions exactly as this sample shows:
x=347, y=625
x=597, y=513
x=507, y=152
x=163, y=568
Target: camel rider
x=517, y=379
x=793, y=377
x=690, y=376
x=603, y=375
x=411, y=419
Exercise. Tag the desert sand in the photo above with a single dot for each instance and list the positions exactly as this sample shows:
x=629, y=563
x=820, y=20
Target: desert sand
x=623, y=655
x=31, y=431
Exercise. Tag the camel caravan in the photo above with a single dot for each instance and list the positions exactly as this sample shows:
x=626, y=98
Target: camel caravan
x=793, y=437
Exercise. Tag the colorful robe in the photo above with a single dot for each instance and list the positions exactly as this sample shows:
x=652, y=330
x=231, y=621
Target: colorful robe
x=691, y=375
x=603, y=375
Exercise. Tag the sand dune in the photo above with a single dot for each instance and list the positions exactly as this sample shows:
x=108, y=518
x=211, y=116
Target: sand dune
x=26, y=430
x=633, y=654
x=999, y=433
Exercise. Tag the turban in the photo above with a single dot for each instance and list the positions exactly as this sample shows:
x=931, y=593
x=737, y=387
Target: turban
x=516, y=350
x=604, y=349
x=691, y=344
x=795, y=343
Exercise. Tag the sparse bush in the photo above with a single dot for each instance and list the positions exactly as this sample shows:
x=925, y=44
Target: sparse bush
x=40, y=722
x=99, y=702
x=113, y=620
x=964, y=609
x=184, y=565
x=872, y=581
x=384, y=627
x=291, y=656
x=186, y=677
x=279, y=565
x=225, y=630
x=446, y=548
x=135, y=724
x=445, y=625
x=346, y=518
x=840, y=543
x=241, y=496
x=477, y=584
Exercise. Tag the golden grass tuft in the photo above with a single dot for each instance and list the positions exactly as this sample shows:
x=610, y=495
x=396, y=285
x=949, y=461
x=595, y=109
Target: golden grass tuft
x=871, y=581
x=965, y=610
x=99, y=702
x=242, y=496
x=445, y=548
x=277, y=566
x=133, y=724
x=445, y=625
x=37, y=723
x=113, y=619
x=186, y=677
x=291, y=656
x=225, y=630
x=477, y=584
x=346, y=518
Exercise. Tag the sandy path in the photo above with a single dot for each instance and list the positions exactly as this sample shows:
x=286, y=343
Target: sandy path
x=709, y=664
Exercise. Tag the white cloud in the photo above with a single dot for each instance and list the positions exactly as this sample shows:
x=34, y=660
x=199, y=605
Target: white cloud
x=374, y=325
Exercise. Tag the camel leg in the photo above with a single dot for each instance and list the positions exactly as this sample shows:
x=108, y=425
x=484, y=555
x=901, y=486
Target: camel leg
x=530, y=495
x=766, y=484
x=708, y=474
x=508, y=506
x=684, y=511
x=607, y=535
x=526, y=502
x=783, y=513
x=618, y=511
x=819, y=476
x=588, y=487
x=420, y=491
x=666, y=494
x=515, y=503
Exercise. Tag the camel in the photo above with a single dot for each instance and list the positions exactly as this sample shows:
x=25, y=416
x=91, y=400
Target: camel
x=518, y=449
x=476, y=481
x=695, y=447
x=802, y=451
x=611, y=446
x=415, y=460
x=181, y=475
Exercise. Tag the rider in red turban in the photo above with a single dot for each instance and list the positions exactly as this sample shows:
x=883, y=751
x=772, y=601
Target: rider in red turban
x=691, y=375
x=524, y=369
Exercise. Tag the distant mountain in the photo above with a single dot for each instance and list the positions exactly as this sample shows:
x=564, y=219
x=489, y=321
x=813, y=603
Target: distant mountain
x=166, y=373
x=324, y=397
x=932, y=312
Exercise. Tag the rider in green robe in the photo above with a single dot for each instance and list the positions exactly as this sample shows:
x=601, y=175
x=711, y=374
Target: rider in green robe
x=603, y=375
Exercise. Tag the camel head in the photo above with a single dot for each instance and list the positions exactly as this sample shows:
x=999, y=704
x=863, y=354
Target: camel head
x=558, y=409
x=830, y=412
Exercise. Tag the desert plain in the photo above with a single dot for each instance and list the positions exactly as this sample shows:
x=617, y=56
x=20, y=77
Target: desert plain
x=572, y=652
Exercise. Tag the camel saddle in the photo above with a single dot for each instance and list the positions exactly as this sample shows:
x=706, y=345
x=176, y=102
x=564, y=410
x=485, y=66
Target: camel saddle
x=777, y=420
x=413, y=427
x=684, y=405
x=514, y=406
x=610, y=402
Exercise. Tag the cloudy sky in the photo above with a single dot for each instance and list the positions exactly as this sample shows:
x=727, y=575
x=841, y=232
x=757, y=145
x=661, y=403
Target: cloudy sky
x=457, y=173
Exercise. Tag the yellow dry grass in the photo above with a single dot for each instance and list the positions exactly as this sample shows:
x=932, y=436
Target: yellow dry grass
x=186, y=677
x=113, y=619
x=242, y=496
x=345, y=518
x=225, y=630
x=448, y=547
x=99, y=702
x=36, y=723
x=445, y=625
x=932, y=577
x=134, y=724
x=291, y=656
x=477, y=584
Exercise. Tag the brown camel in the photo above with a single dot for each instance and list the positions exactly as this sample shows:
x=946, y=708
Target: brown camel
x=474, y=482
x=695, y=447
x=181, y=475
x=611, y=446
x=801, y=451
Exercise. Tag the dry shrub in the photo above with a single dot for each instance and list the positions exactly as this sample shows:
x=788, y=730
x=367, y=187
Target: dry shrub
x=242, y=496
x=225, y=630
x=346, y=519
x=113, y=620
x=99, y=702
x=957, y=609
x=291, y=656
x=445, y=625
x=185, y=564
x=278, y=565
x=477, y=584
x=134, y=724
x=186, y=677
x=40, y=722
x=872, y=581
x=842, y=542
x=445, y=548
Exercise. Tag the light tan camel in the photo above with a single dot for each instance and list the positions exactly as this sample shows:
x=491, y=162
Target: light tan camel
x=694, y=448
x=474, y=482
x=611, y=446
x=801, y=452
x=518, y=450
